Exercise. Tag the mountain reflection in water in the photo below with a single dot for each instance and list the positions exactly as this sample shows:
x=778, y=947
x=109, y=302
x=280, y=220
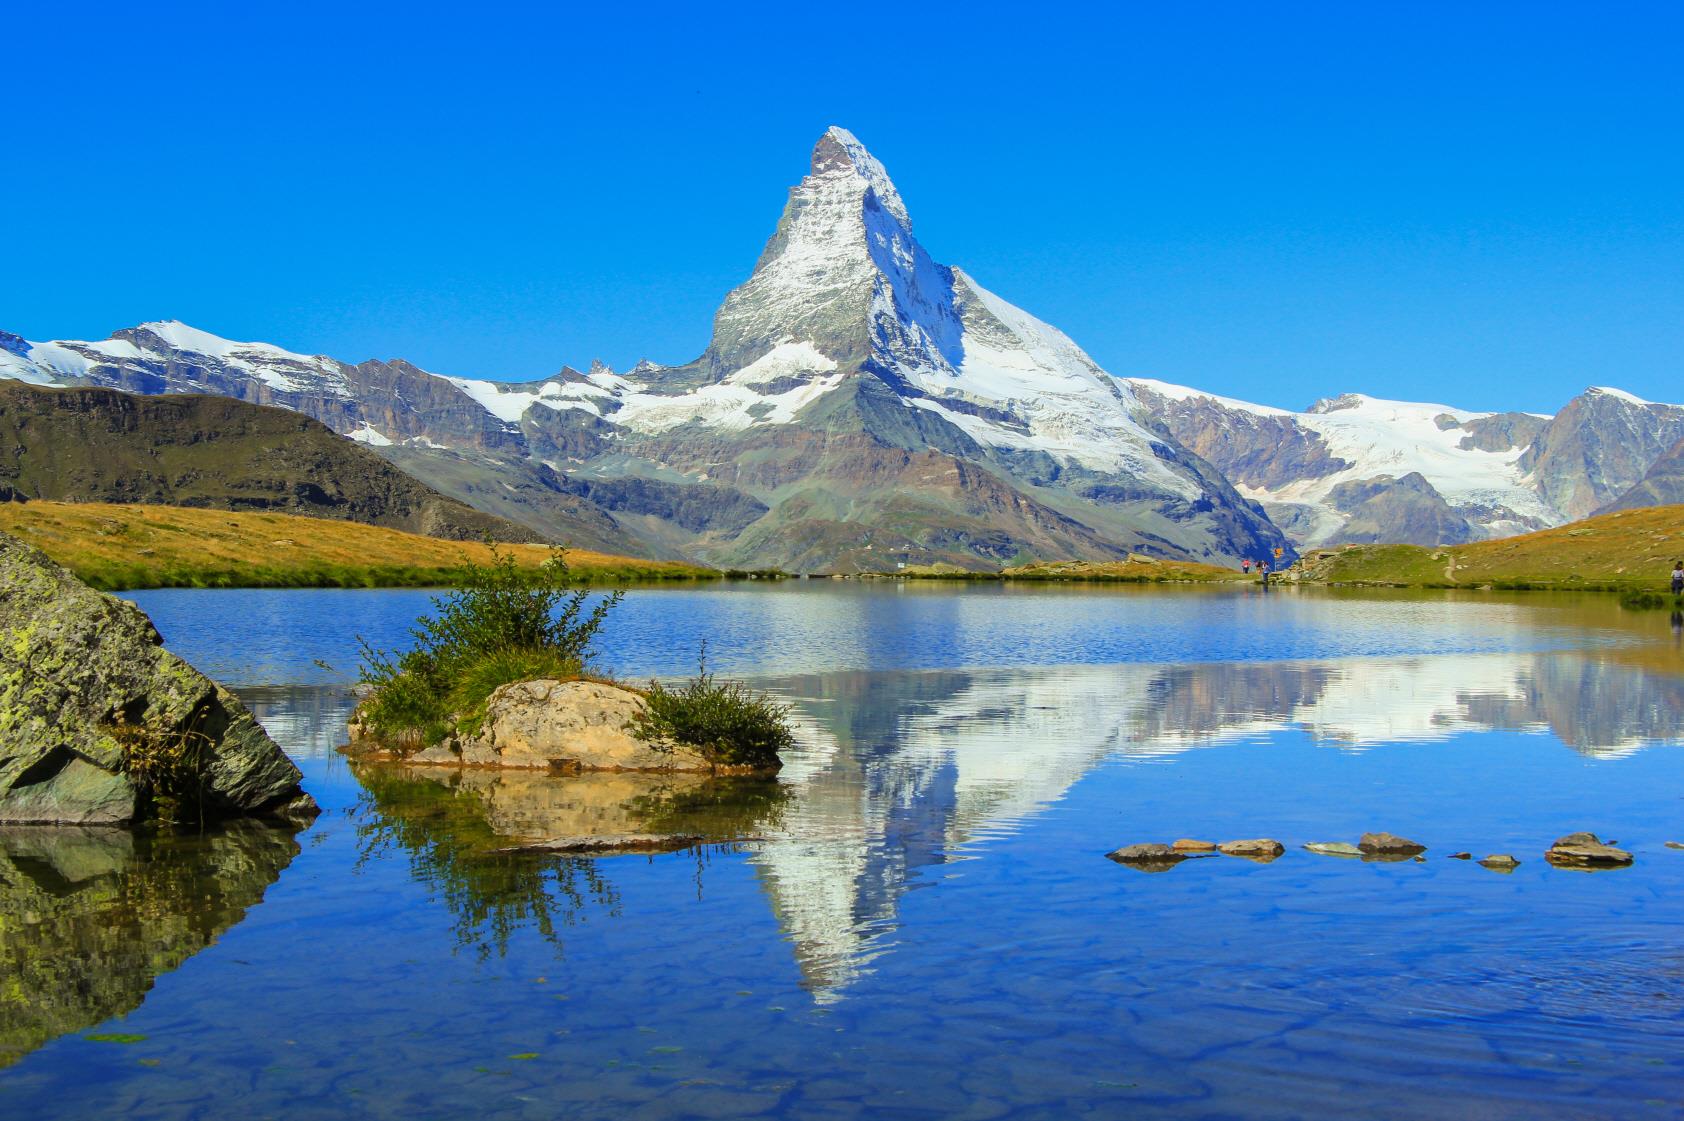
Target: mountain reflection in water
x=90, y=917
x=899, y=773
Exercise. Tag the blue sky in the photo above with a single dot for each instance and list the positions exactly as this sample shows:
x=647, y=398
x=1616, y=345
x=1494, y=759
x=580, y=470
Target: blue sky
x=1476, y=203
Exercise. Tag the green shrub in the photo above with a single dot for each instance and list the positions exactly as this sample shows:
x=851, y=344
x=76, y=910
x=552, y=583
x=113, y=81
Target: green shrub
x=1650, y=600
x=729, y=724
x=500, y=623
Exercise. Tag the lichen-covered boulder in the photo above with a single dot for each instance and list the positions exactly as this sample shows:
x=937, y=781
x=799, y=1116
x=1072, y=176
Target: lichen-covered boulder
x=96, y=717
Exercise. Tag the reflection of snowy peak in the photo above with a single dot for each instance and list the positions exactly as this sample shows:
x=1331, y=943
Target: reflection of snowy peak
x=1355, y=468
x=899, y=774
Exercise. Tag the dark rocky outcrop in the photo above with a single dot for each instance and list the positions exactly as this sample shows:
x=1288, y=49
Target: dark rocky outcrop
x=1397, y=509
x=101, y=445
x=86, y=689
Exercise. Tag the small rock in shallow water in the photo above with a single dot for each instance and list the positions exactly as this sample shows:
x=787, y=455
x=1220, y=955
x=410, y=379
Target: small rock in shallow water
x=1389, y=844
x=1260, y=849
x=1147, y=857
x=1187, y=845
x=604, y=843
x=1461, y=856
x=1500, y=862
x=1583, y=850
x=1334, y=848
x=1675, y=844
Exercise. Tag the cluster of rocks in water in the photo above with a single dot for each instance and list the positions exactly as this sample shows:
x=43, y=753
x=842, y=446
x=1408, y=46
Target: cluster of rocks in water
x=1583, y=851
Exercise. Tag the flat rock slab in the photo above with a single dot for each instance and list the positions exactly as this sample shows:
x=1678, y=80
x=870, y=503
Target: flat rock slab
x=1500, y=862
x=1259, y=849
x=1389, y=844
x=1333, y=848
x=604, y=844
x=1186, y=844
x=1583, y=850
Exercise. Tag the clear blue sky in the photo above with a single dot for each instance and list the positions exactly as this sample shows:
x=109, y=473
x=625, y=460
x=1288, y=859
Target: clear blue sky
x=1477, y=203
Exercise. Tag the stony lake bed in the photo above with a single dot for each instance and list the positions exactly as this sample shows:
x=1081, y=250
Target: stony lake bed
x=916, y=917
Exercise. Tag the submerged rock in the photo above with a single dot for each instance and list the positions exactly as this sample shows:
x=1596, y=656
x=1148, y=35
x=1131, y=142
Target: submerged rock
x=1583, y=850
x=1461, y=856
x=1389, y=845
x=88, y=694
x=1500, y=862
x=567, y=726
x=1147, y=857
x=1260, y=849
x=1675, y=844
x=1333, y=848
x=603, y=844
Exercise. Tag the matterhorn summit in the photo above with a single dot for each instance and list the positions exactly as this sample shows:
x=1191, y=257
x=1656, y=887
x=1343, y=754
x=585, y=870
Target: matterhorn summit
x=860, y=407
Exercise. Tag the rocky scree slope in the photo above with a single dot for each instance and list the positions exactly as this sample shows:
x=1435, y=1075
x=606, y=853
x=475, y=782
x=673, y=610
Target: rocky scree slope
x=101, y=445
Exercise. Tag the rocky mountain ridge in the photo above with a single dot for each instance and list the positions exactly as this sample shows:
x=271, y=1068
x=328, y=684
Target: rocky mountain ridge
x=1359, y=469
x=103, y=445
x=861, y=406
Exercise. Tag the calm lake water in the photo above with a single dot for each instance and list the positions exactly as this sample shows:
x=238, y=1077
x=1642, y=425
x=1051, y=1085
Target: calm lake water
x=916, y=919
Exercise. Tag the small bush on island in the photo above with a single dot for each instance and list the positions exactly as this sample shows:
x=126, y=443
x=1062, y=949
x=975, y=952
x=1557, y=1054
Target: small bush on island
x=728, y=723
x=501, y=623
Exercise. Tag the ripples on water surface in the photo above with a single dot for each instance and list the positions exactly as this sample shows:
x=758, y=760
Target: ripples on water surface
x=925, y=925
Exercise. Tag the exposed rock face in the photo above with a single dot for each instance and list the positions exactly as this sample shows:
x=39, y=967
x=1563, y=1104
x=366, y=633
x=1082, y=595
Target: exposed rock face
x=1598, y=448
x=1333, y=848
x=100, y=445
x=1661, y=485
x=565, y=726
x=93, y=916
x=1384, y=509
x=81, y=675
x=1584, y=850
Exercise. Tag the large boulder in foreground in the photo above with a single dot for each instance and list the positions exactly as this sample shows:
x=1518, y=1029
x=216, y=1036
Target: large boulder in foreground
x=567, y=726
x=87, y=689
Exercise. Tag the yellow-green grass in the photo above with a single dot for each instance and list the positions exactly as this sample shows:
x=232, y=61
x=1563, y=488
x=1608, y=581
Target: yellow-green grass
x=1625, y=551
x=142, y=546
x=1135, y=570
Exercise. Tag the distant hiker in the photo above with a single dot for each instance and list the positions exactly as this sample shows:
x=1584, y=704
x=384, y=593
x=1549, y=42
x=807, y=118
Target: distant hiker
x=1263, y=567
x=1678, y=579
x=1245, y=566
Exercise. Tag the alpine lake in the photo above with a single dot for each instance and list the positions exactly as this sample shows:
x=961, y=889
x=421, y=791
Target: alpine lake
x=917, y=918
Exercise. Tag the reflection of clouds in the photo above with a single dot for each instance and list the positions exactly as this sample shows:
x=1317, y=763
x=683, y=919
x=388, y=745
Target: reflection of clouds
x=902, y=771
x=308, y=721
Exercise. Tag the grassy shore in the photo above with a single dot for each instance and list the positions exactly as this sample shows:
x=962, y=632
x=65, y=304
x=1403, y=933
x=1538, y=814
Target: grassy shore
x=1135, y=570
x=1627, y=551
x=118, y=547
